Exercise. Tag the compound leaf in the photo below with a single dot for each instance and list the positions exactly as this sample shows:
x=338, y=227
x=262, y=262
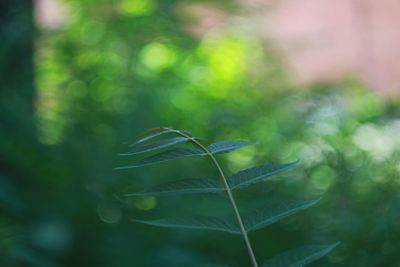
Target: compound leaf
x=300, y=256
x=155, y=146
x=257, y=174
x=228, y=146
x=266, y=216
x=196, y=222
x=165, y=156
x=151, y=136
x=182, y=187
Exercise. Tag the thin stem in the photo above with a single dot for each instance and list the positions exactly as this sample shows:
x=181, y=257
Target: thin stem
x=230, y=195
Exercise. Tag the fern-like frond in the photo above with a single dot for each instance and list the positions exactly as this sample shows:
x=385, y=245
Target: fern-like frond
x=151, y=136
x=160, y=144
x=300, y=256
x=196, y=222
x=257, y=174
x=243, y=224
x=165, y=156
x=228, y=146
x=267, y=216
x=182, y=187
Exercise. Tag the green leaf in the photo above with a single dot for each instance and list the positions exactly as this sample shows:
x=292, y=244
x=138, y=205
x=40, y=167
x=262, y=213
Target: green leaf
x=155, y=146
x=257, y=174
x=165, y=156
x=151, y=136
x=182, y=187
x=264, y=217
x=300, y=256
x=196, y=222
x=228, y=146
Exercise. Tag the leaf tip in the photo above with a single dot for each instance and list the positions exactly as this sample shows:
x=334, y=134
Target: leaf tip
x=316, y=201
x=134, y=194
x=334, y=245
x=295, y=162
x=153, y=130
x=125, y=167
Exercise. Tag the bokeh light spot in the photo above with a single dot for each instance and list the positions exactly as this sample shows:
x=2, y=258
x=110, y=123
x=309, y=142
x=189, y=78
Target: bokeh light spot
x=109, y=211
x=226, y=58
x=241, y=158
x=86, y=59
x=52, y=235
x=322, y=178
x=92, y=32
x=157, y=56
x=311, y=154
x=101, y=90
x=374, y=140
x=137, y=7
x=145, y=203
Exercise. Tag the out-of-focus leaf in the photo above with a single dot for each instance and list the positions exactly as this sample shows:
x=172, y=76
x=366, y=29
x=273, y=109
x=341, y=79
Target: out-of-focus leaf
x=264, y=217
x=165, y=156
x=300, y=256
x=155, y=146
x=257, y=174
x=196, y=222
x=228, y=146
x=182, y=187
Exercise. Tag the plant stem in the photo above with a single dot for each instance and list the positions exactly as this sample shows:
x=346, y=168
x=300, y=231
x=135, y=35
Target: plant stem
x=230, y=195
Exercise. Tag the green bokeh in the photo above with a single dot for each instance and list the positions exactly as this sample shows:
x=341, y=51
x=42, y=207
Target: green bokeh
x=117, y=68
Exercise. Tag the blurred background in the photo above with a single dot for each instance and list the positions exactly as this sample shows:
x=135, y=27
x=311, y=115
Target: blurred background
x=313, y=80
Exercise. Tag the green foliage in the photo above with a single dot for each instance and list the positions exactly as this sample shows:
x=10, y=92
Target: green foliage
x=227, y=146
x=244, y=224
x=118, y=66
x=196, y=222
x=299, y=256
x=216, y=148
x=156, y=145
x=257, y=174
x=266, y=216
x=166, y=156
x=239, y=180
x=182, y=187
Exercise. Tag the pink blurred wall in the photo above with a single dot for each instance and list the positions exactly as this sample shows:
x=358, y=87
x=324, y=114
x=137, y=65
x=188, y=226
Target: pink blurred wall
x=325, y=40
